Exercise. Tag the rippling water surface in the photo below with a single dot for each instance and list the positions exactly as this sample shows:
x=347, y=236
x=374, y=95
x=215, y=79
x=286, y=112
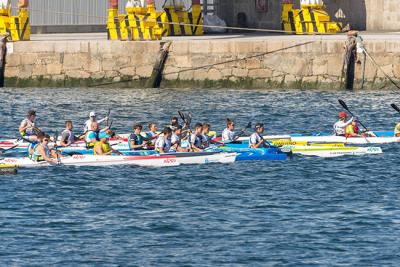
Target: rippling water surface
x=302, y=212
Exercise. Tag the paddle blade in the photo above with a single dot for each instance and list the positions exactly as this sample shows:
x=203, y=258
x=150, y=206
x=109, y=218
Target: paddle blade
x=395, y=107
x=182, y=115
x=343, y=104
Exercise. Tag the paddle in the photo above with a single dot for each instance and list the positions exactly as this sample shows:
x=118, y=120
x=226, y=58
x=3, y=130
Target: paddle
x=2, y=150
x=343, y=104
x=395, y=107
x=56, y=148
x=108, y=117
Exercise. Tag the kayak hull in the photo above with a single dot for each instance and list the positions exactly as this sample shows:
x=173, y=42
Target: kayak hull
x=136, y=160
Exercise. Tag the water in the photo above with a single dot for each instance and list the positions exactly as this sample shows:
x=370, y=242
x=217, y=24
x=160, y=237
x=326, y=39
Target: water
x=303, y=212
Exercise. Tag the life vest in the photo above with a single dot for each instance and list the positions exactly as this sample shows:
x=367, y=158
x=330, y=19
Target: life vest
x=91, y=135
x=28, y=131
x=39, y=157
x=105, y=147
x=137, y=138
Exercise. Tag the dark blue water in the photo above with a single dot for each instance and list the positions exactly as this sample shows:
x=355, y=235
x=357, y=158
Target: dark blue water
x=303, y=212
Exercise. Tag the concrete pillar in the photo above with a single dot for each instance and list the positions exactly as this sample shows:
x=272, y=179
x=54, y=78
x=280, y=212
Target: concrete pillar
x=113, y=4
x=23, y=3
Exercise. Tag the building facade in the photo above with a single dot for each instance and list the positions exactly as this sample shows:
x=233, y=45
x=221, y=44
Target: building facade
x=372, y=15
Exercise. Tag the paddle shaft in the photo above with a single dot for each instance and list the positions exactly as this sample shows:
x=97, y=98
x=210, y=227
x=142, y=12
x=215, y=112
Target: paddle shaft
x=343, y=104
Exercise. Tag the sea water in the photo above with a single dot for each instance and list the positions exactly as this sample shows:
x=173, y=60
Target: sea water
x=301, y=212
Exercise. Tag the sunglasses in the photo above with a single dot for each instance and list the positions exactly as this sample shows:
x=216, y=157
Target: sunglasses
x=45, y=140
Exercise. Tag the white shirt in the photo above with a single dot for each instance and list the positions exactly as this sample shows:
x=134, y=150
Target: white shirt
x=150, y=135
x=162, y=143
x=175, y=139
x=254, y=139
x=228, y=135
x=88, y=124
x=340, y=127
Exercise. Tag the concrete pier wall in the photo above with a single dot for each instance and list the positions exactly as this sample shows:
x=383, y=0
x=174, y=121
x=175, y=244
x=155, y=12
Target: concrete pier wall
x=247, y=63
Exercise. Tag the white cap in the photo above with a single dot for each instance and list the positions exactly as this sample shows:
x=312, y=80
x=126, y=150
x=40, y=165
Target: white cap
x=92, y=114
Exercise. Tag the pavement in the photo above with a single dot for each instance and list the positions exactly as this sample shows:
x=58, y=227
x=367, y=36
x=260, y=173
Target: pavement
x=242, y=36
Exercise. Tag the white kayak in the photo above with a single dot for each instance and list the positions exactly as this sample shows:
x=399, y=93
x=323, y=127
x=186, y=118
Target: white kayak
x=145, y=161
x=332, y=151
x=332, y=139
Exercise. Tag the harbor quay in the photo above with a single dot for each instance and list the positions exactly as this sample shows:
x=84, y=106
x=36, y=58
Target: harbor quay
x=234, y=61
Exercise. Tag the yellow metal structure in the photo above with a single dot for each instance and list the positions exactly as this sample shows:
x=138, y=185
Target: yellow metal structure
x=17, y=27
x=309, y=19
x=148, y=24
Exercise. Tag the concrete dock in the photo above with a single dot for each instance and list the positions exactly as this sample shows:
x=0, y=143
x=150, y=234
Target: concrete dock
x=229, y=60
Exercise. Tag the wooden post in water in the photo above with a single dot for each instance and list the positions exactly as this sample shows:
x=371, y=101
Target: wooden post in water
x=156, y=77
x=350, y=59
x=3, y=53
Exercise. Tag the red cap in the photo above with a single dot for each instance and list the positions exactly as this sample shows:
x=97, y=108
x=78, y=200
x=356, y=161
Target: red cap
x=342, y=114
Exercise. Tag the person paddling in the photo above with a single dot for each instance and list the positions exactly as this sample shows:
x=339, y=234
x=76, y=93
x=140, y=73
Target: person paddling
x=93, y=135
x=340, y=126
x=102, y=147
x=397, y=130
x=163, y=143
x=92, y=118
x=175, y=122
x=33, y=144
x=256, y=140
x=42, y=152
x=136, y=140
x=229, y=135
x=352, y=130
x=196, y=138
x=67, y=136
x=152, y=135
x=27, y=128
x=176, y=140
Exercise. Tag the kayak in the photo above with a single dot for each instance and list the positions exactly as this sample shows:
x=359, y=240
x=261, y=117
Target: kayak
x=247, y=154
x=332, y=151
x=145, y=161
x=319, y=150
x=329, y=139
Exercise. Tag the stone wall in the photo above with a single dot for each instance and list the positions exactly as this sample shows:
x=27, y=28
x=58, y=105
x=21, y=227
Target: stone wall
x=79, y=63
x=248, y=63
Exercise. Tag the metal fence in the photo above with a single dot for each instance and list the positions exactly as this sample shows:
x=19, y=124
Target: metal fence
x=84, y=12
x=68, y=12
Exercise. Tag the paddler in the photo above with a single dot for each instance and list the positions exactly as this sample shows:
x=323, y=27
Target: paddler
x=163, y=143
x=27, y=128
x=33, y=144
x=175, y=122
x=102, y=147
x=352, y=130
x=136, y=140
x=196, y=138
x=176, y=145
x=229, y=135
x=92, y=137
x=256, y=140
x=152, y=134
x=340, y=126
x=67, y=136
x=42, y=152
x=92, y=118
x=397, y=130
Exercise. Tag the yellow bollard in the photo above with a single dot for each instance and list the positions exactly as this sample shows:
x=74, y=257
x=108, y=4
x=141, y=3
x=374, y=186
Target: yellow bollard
x=196, y=18
x=113, y=27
